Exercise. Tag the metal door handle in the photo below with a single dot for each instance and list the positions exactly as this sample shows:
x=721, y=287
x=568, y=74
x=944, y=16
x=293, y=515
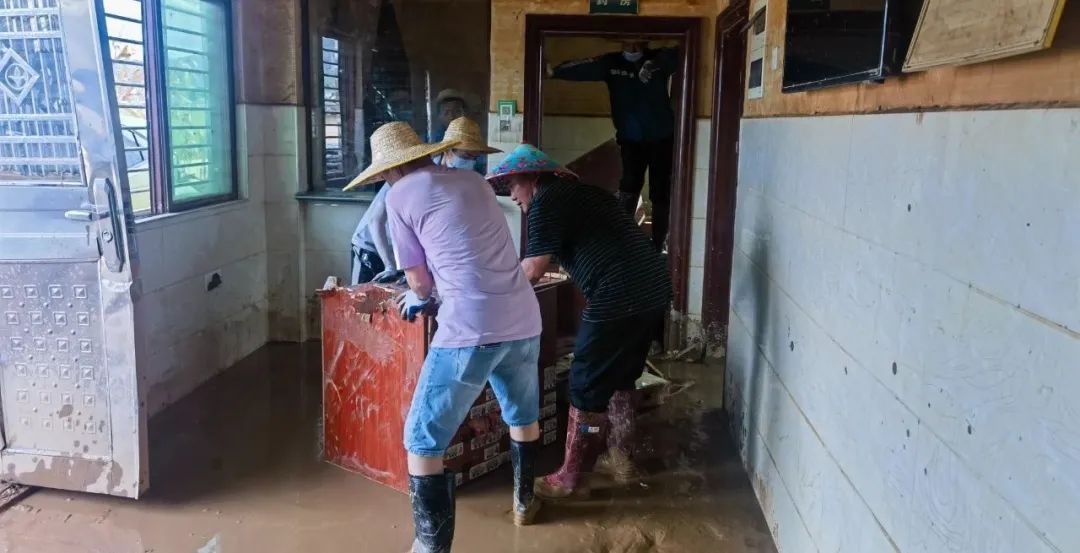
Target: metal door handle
x=86, y=215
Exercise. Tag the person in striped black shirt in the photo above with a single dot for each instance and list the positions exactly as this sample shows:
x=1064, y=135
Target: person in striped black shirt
x=628, y=292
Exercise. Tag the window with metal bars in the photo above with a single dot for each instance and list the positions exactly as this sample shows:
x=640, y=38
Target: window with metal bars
x=333, y=166
x=175, y=101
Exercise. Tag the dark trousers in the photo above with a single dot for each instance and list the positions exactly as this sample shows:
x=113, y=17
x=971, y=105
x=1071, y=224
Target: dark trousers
x=656, y=157
x=365, y=265
x=609, y=356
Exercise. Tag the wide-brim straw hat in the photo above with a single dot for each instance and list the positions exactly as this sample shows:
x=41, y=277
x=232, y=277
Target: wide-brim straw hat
x=393, y=145
x=524, y=159
x=466, y=133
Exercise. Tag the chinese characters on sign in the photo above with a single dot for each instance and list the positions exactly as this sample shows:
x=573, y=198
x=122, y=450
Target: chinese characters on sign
x=628, y=7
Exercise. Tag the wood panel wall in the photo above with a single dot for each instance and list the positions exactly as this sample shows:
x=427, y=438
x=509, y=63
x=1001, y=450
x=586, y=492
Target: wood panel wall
x=1047, y=78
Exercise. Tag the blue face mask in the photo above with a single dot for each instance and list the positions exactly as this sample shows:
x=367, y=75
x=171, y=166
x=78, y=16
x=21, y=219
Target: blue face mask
x=460, y=162
x=633, y=57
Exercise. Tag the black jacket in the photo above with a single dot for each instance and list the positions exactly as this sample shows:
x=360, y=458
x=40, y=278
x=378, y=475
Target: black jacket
x=640, y=102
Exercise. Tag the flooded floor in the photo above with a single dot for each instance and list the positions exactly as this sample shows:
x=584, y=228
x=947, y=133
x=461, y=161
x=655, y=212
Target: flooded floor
x=235, y=468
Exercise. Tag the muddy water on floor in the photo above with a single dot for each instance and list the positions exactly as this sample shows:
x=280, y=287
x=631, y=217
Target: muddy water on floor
x=235, y=468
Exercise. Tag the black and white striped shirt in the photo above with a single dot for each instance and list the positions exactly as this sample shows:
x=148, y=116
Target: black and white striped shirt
x=597, y=242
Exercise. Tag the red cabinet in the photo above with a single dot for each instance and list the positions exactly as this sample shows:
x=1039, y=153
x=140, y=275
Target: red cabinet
x=371, y=361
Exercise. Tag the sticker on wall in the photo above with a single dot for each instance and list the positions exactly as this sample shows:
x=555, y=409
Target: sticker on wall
x=507, y=109
x=755, y=74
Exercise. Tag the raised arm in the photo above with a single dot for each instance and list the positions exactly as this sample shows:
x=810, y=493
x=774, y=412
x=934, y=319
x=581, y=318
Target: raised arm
x=592, y=69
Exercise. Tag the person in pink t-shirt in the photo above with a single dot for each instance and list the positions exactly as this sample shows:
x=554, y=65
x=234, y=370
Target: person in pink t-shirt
x=452, y=240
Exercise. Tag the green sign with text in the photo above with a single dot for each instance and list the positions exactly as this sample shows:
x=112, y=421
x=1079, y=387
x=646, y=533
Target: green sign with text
x=629, y=7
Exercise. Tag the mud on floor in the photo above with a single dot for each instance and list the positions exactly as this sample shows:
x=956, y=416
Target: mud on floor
x=235, y=469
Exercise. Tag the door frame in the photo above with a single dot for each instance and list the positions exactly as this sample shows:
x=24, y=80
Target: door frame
x=685, y=29
x=729, y=88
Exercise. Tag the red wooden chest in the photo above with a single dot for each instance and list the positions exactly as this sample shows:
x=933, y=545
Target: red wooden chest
x=371, y=361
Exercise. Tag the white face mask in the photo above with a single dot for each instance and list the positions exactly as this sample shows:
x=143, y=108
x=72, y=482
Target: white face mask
x=633, y=57
x=459, y=162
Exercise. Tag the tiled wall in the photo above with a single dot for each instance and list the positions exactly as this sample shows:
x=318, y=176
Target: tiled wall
x=328, y=230
x=276, y=155
x=567, y=138
x=902, y=358
x=695, y=286
x=186, y=333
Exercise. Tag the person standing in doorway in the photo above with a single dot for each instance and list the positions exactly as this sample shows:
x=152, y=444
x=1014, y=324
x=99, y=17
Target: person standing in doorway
x=627, y=290
x=637, y=79
x=450, y=236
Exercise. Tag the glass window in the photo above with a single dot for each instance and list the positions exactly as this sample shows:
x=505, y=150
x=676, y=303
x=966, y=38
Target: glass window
x=377, y=61
x=175, y=101
x=127, y=50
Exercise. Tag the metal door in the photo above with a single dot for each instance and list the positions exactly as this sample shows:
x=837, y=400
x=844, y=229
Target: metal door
x=72, y=410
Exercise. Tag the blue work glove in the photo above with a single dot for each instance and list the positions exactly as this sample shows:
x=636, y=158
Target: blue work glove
x=388, y=276
x=410, y=304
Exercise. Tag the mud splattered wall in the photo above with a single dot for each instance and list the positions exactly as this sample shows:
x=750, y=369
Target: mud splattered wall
x=904, y=324
x=1048, y=78
x=905, y=330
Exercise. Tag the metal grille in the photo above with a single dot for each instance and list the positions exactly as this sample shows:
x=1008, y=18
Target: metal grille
x=37, y=120
x=127, y=52
x=332, y=117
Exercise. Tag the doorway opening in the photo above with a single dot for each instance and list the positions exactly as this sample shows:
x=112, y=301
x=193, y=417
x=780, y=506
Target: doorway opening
x=580, y=128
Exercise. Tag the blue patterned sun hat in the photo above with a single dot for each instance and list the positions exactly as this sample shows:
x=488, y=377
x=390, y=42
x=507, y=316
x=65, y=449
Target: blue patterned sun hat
x=526, y=158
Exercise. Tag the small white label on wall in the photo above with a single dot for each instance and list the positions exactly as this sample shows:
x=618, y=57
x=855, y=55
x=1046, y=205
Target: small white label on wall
x=755, y=75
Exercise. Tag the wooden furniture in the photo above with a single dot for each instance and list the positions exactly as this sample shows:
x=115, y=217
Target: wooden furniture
x=371, y=362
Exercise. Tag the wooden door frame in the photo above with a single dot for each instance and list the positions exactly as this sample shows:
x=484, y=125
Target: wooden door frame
x=684, y=90
x=729, y=87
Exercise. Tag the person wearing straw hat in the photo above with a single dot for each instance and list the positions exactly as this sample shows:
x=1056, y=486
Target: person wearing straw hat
x=637, y=79
x=450, y=235
x=470, y=149
x=627, y=289
x=450, y=104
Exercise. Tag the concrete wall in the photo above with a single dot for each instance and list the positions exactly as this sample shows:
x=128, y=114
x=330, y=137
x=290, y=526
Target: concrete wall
x=904, y=340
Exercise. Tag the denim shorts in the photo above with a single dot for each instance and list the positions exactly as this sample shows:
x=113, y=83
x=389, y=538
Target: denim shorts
x=452, y=379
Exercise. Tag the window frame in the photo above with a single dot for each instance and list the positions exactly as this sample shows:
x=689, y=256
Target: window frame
x=159, y=154
x=344, y=106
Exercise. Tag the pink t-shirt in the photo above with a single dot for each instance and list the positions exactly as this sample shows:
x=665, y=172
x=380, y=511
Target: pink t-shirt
x=450, y=220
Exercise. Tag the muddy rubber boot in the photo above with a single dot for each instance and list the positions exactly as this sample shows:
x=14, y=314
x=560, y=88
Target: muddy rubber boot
x=433, y=512
x=526, y=505
x=585, y=437
x=618, y=460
